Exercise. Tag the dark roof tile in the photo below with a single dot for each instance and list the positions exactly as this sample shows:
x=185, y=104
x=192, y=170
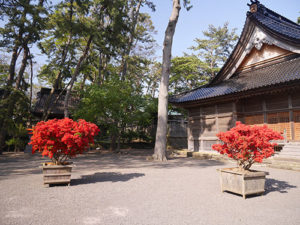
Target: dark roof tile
x=276, y=23
x=267, y=76
x=58, y=107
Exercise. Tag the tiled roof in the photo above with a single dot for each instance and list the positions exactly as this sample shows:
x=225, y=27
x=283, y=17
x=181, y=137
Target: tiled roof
x=276, y=23
x=58, y=108
x=267, y=76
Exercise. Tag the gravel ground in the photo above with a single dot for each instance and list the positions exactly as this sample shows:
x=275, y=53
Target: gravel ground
x=127, y=189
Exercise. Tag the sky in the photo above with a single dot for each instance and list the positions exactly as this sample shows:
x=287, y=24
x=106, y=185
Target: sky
x=216, y=12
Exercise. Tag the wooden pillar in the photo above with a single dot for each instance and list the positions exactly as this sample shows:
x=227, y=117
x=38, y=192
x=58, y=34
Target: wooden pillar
x=291, y=117
x=264, y=107
x=201, y=147
x=217, y=118
x=234, y=113
x=189, y=135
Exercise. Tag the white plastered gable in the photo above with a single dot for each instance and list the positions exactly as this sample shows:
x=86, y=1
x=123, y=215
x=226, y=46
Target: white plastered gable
x=257, y=40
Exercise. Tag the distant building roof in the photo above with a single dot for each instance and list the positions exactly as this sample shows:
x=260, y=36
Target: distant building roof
x=57, y=109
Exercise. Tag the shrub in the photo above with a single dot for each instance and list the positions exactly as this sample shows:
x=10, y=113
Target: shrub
x=247, y=144
x=62, y=139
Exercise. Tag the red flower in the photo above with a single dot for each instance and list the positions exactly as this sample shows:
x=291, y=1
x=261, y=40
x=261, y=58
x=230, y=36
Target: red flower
x=62, y=139
x=247, y=144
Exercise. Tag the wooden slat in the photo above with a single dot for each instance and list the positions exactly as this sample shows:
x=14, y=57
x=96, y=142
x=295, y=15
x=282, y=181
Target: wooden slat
x=253, y=105
x=297, y=124
x=225, y=108
x=254, y=119
x=194, y=112
x=209, y=110
x=295, y=97
x=280, y=122
x=277, y=102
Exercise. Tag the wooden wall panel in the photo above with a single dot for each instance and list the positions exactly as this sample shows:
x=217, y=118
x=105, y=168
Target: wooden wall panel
x=209, y=110
x=253, y=104
x=280, y=122
x=257, y=119
x=225, y=123
x=194, y=123
x=196, y=132
x=207, y=145
x=297, y=124
x=277, y=102
x=209, y=127
x=194, y=112
x=224, y=108
x=295, y=99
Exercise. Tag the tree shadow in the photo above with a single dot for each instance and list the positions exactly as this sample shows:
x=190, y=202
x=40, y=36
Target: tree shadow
x=277, y=185
x=104, y=177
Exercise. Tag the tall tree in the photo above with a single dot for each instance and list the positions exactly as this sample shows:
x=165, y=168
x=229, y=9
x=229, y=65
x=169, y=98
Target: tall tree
x=214, y=50
x=24, y=24
x=134, y=17
x=162, y=116
x=186, y=73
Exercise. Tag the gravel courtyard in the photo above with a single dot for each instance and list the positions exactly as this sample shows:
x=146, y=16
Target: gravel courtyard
x=127, y=189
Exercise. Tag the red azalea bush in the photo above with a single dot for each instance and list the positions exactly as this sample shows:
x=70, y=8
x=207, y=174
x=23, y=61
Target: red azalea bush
x=62, y=139
x=247, y=144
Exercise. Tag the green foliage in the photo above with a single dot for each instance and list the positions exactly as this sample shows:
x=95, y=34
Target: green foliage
x=16, y=124
x=186, y=73
x=115, y=106
x=4, y=67
x=25, y=22
x=214, y=50
x=19, y=138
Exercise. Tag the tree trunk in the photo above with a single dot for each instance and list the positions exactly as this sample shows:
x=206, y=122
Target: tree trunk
x=100, y=79
x=23, y=66
x=12, y=66
x=31, y=82
x=47, y=105
x=74, y=76
x=134, y=17
x=161, y=132
x=112, y=142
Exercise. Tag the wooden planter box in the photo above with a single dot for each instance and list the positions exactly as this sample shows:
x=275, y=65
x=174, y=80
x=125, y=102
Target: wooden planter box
x=56, y=174
x=242, y=182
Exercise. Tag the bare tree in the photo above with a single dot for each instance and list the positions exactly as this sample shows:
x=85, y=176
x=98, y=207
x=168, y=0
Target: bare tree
x=161, y=132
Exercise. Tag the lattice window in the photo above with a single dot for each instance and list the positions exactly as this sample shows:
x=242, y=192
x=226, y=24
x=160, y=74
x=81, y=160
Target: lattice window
x=280, y=122
x=254, y=119
x=297, y=124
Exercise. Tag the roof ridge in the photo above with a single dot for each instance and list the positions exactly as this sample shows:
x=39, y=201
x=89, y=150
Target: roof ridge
x=278, y=16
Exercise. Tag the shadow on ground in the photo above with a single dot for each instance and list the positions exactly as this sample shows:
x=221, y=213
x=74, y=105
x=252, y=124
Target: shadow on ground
x=104, y=177
x=24, y=164
x=278, y=186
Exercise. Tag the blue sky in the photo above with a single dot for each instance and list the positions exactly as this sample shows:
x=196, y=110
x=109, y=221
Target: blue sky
x=216, y=12
x=191, y=23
